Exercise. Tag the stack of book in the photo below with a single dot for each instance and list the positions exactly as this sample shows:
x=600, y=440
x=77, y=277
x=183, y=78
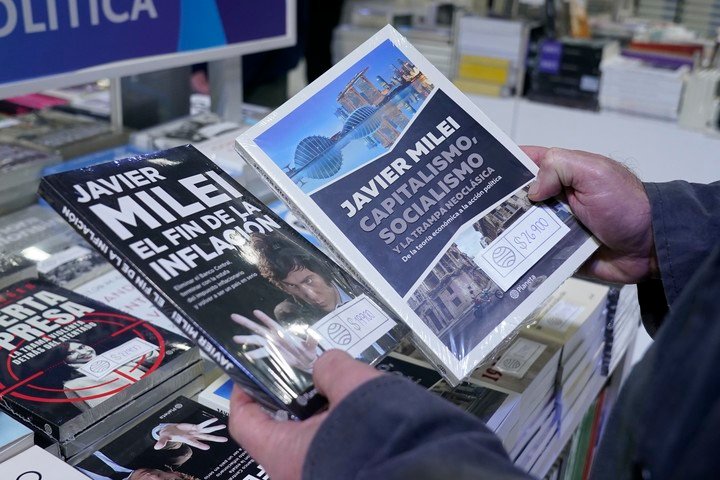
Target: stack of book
x=701, y=101
x=20, y=167
x=36, y=241
x=644, y=87
x=70, y=135
x=436, y=44
x=91, y=98
x=90, y=371
x=491, y=55
x=567, y=71
x=702, y=16
x=665, y=10
x=29, y=103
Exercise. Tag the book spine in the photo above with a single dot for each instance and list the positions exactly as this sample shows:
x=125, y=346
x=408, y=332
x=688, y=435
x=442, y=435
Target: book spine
x=163, y=302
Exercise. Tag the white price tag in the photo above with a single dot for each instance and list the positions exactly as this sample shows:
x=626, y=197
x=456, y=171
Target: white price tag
x=518, y=359
x=520, y=247
x=354, y=326
x=100, y=366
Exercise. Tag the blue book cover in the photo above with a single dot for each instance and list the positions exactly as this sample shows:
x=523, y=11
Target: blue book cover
x=11, y=431
x=422, y=196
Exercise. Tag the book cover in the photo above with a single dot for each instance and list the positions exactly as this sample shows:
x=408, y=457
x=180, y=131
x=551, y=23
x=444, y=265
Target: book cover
x=217, y=394
x=420, y=195
x=67, y=361
x=183, y=440
x=14, y=437
x=257, y=297
x=37, y=464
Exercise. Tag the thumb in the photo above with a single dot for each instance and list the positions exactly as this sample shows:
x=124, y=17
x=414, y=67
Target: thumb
x=336, y=374
x=557, y=169
x=161, y=443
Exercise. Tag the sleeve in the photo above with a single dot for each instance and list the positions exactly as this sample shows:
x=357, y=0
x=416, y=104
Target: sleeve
x=686, y=227
x=392, y=429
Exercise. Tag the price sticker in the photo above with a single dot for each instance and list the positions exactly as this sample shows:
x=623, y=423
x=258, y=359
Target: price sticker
x=521, y=245
x=354, y=326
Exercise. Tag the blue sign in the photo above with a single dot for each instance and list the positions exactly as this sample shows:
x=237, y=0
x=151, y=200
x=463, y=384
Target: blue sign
x=40, y=38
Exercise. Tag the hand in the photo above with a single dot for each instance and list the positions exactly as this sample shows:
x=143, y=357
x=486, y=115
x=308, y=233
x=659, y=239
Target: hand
x=610, y=201
x=281, y=343
x=190, y=434
x=281, y=446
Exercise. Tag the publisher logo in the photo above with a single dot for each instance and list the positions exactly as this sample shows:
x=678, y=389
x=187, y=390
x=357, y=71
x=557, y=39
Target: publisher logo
x=514, y=294
x=504, y=257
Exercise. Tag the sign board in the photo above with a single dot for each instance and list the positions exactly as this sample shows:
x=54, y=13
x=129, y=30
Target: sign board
x=53, y=43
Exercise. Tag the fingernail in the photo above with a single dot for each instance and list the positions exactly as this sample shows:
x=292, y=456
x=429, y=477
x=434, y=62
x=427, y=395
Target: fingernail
x=533, y=189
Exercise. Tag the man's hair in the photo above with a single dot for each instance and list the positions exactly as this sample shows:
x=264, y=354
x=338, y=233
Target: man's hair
x=278, y=256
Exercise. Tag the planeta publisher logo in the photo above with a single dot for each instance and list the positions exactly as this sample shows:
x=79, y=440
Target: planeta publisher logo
x=48, y=369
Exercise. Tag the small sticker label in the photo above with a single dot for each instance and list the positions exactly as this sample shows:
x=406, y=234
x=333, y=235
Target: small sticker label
x=516, y=361
x=519, y=247
x=354, y=326
x=100, y=366
x=561, y=316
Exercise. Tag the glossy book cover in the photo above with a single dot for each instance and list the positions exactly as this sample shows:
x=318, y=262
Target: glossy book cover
x=420, y=195
x=255, y=295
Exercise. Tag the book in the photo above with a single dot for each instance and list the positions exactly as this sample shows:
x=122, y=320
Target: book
x=37, y=464
x=14, y=437
x=67, y=362
x=217, y=394
x=257, y=297
x=146, y=452
x=419, y=194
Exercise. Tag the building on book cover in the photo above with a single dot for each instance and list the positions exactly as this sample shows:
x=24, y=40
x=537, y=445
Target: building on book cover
x=251, y=291
x=421, y=195
x=67, y=361
x=182, y=441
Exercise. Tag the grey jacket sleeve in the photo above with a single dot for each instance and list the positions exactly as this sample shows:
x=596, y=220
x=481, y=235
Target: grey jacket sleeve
x=391, y=429
x=686, y=227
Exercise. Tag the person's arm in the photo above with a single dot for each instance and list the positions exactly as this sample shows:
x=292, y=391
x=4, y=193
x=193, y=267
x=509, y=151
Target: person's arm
x=377, y=426
x=686, y=227
x=390, y=428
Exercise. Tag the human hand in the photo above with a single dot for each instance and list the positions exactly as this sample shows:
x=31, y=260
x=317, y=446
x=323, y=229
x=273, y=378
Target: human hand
x=281, y=446
x=190, y=434
x=279, y=342
x=610, y=201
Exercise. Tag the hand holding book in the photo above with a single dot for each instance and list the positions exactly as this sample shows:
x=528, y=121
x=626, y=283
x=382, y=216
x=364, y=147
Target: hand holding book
x=279, y=342
x=610, y=201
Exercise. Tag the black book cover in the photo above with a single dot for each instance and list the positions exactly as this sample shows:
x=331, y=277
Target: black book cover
x=200, y=448
x=67, y=361
x=259, y=299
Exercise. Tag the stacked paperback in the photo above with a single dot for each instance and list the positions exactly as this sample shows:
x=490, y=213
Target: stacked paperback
x=20, y=166
x=567, y=71
x=642, y=87
x=436, y=44
x=491, y=55
x=78, y=369
x=702, y=16
x=701, y=101
x=67, y=134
